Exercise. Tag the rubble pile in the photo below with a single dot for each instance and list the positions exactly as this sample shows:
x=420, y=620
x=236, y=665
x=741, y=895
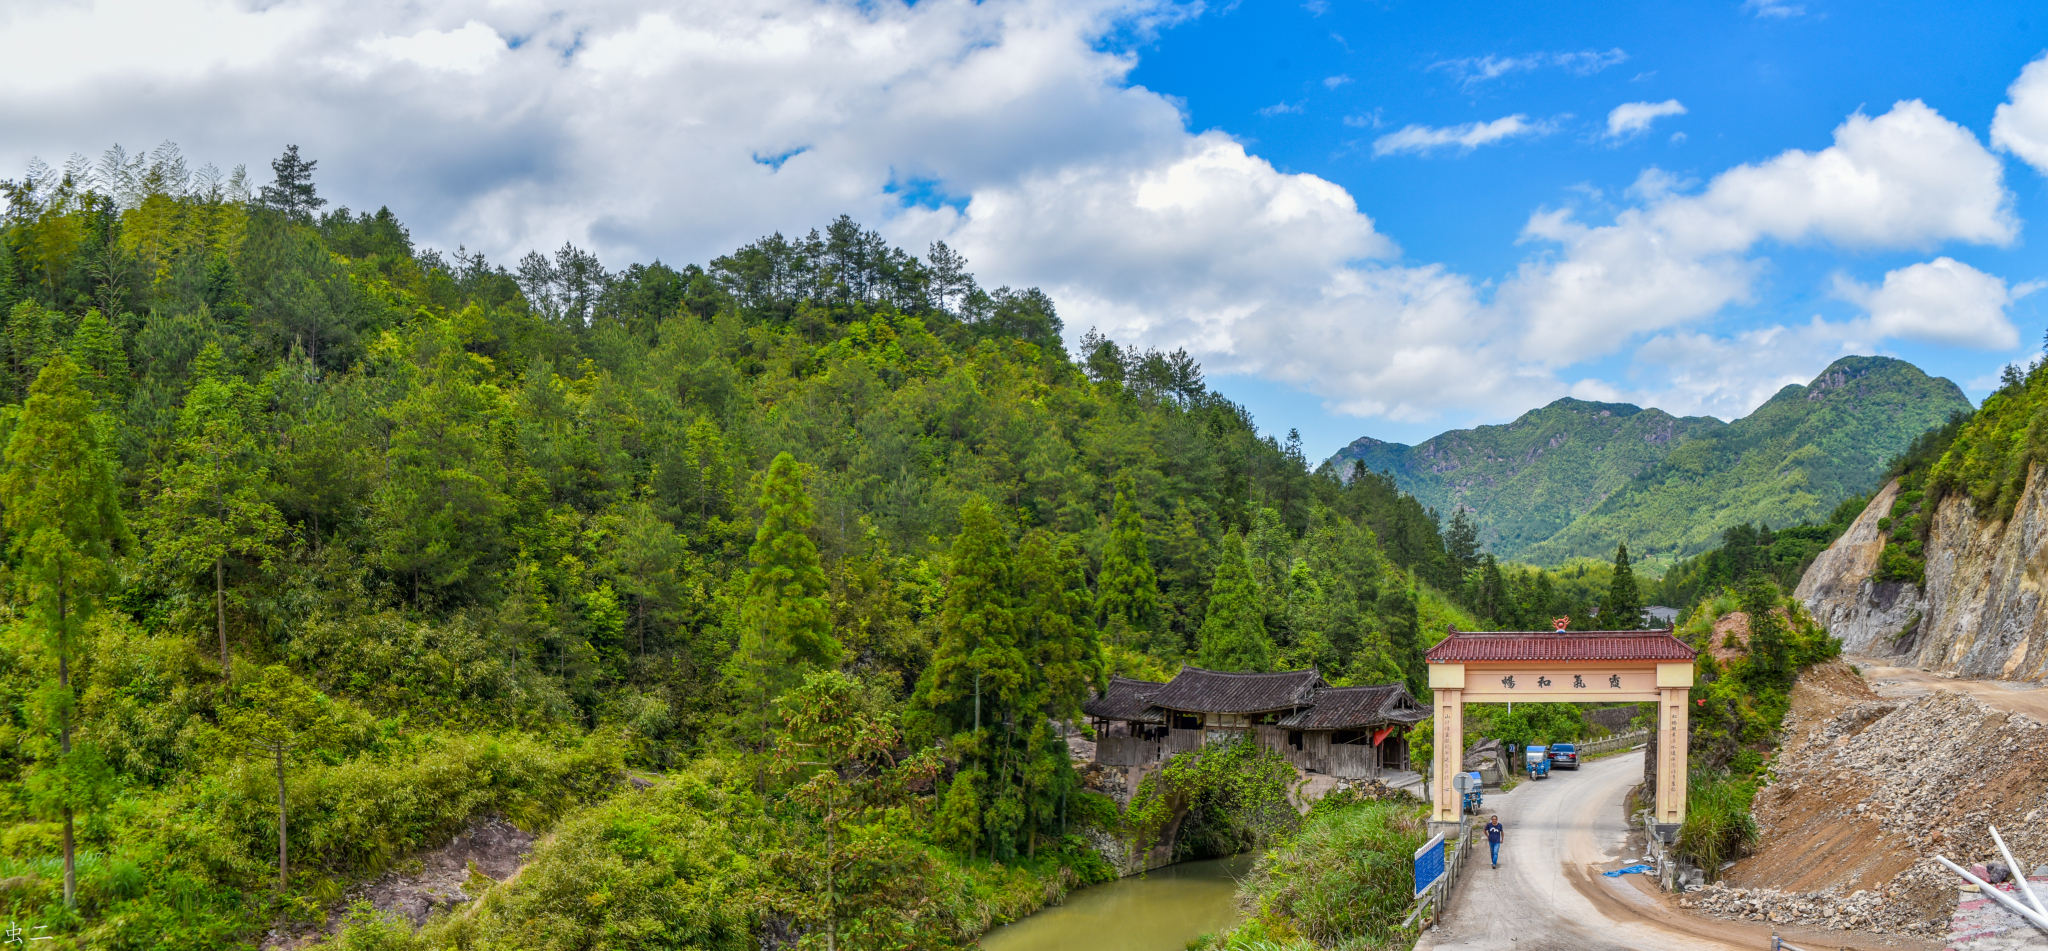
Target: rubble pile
x=1865, y=792
x=1861, y=910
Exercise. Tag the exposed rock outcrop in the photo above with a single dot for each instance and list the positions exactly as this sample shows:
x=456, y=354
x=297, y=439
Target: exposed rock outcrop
x=1872, y=618
x=1981, y=614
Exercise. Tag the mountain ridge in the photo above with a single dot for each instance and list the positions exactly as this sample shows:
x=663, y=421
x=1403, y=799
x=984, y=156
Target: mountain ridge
x=1572, y=477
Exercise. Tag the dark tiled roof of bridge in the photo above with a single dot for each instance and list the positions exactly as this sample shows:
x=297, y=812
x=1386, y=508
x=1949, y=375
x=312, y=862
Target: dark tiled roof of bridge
x=1349, y=708
x=1467, y=646
x=1213, y=691
x=1126, y=699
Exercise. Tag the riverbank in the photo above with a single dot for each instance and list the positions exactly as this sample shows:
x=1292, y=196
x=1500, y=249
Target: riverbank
x=1160, y=910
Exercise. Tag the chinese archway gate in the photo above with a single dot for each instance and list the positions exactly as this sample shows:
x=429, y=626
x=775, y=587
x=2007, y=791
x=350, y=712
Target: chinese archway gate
x=1562, y=667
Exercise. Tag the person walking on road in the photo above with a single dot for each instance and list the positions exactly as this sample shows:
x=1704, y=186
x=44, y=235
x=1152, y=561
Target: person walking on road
x=1493, y=833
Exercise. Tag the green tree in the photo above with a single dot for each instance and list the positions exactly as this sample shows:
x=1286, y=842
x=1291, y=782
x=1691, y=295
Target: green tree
x=838, y=737
x=1622, y=609
x=1770, y=656
x=213, y=503
x=785, y=614
x=977, y=653
x=1053, y=618
x=65, y=524
x=1234, y=634
x=1127, y=586
x=96, y=345
x=279, y=715
x=293, y=193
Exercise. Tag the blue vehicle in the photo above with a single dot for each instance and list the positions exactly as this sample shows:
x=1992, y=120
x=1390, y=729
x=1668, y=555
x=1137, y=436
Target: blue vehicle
x=1538, y=758
x=1565, y=755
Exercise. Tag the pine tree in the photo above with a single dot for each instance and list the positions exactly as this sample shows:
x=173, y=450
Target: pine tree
x=293, y=192
x=64, y=522
x=1623, y=608
x=1127, y=587
x=1234, y=634
x=785, y=616
x=213, y=502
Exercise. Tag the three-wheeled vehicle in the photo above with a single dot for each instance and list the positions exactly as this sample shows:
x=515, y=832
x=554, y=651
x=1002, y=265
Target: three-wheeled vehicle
x=1538, y=759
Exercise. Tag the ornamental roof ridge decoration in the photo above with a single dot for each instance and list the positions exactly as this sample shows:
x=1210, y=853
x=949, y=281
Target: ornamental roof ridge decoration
x=1543, y=646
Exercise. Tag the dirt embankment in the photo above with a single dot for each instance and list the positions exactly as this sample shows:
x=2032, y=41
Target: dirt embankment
x=1866, y=790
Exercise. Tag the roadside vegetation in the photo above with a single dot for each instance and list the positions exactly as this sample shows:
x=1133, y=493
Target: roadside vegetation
x=1739, y=707
x=1344, y=880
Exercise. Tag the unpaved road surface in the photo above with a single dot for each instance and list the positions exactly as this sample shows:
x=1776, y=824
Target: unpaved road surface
x=2011, y=696
x=1549, y=895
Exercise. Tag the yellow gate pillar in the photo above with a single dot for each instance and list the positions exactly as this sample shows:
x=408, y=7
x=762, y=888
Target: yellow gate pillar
x=1674, y=684
x=1447, y=681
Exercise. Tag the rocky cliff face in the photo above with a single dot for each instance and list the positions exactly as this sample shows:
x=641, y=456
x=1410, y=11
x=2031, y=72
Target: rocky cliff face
x=1982, y=613
x=1870, y=617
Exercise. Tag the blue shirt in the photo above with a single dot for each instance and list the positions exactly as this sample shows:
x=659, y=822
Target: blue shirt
x=1493, y=831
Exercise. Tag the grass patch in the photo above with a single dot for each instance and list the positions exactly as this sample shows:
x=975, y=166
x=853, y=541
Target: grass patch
x=1345, y=880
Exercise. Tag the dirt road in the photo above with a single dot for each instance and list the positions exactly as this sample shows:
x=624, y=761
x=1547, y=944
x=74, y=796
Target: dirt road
x=1549, y=895
x=1907, y=682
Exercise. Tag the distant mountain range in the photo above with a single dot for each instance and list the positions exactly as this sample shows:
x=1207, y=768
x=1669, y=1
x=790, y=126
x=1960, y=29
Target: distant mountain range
x=1574, y=477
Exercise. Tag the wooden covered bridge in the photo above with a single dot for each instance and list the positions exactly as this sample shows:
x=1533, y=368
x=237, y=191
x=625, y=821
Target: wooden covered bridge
x=1347, y=732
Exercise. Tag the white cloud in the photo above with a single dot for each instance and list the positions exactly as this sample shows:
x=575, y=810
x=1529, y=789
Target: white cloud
x=1474, y=71
x=1906, y=179
x=2021, y=124
x=1332, y=82
x=1422, y=139
x=1773, y=9
x=1632, y=118
x=1940, y=301
x=634, y=128
x=1282, y=108
x=471, y=49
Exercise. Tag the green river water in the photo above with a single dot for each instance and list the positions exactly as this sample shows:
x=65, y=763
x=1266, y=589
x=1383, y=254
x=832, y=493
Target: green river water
x=1158, y=911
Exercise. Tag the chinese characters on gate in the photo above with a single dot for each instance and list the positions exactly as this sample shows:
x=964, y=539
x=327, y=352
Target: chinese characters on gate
x=1578, y=681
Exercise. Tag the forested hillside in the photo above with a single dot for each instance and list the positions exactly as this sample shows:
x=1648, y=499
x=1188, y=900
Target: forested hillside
x=303, y=518
x=1567, y=480
x=1526, y=481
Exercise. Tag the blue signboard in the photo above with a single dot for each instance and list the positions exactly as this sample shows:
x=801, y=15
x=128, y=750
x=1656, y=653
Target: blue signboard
x=1429, y=864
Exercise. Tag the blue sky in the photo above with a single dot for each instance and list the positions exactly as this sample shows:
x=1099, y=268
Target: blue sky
x=1383, y=219
x=1343, y=74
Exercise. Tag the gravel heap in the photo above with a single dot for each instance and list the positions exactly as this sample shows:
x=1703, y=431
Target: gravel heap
x=1861, y=910
x=1916, y=779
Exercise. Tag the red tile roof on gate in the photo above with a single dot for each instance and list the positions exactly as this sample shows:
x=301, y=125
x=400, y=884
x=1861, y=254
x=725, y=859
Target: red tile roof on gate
x=1469, y=646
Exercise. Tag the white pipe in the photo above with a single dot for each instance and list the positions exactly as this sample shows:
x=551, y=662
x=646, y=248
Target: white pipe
x=2018, y=873
x=2039, y=920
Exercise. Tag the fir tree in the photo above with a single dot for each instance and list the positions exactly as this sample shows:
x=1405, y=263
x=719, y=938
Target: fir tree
x=96, y=345
x=64, y=522
x=1623, y=608
x=785, y=616
x=977, y=660
x=1053, y=616
x=1128, y=588
x=1234, y=634
x=1461, y=540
